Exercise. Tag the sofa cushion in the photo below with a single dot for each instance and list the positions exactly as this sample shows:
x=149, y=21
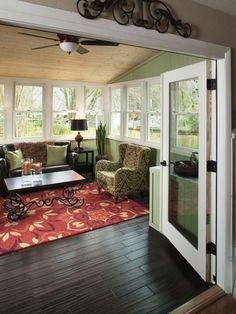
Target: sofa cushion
x=56, y=168
x=14, y=159
x=56, y=155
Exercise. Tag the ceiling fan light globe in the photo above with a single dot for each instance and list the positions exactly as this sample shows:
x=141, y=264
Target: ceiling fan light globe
x=68, y=46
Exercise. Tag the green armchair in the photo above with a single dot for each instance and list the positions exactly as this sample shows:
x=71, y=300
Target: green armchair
x=128, y=175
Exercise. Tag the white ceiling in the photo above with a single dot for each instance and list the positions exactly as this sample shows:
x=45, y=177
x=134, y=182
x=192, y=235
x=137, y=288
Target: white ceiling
x=227, y=6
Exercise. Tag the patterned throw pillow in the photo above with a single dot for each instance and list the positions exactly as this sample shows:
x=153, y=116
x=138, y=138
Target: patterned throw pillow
x=14, y=158
x=56, y=155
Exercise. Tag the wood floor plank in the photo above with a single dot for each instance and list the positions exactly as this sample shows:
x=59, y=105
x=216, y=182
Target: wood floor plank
x=129, y=300
x=124, y=268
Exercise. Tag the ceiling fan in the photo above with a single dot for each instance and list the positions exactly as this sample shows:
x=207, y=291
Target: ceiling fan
x=71, y=43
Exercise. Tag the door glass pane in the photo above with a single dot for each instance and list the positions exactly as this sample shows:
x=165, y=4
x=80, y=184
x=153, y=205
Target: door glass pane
x=183, y=175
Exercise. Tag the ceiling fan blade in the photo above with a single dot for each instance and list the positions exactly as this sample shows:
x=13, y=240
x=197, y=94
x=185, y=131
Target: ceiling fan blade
x=81, y=50
x=42, y=47
x=32, y=35
x=98, y=43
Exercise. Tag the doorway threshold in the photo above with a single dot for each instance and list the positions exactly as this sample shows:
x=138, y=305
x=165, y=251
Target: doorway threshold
x=202, y=301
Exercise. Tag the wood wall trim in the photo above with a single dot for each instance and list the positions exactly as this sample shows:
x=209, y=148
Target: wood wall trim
x=201, y=301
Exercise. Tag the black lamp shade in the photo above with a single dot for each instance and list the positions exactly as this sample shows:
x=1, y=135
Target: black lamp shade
x=79, y=125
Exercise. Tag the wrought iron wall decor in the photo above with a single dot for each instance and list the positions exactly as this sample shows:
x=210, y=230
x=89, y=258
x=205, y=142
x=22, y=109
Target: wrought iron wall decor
x=150, y=14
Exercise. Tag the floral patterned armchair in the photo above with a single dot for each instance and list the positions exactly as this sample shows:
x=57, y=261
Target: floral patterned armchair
x=128, y=175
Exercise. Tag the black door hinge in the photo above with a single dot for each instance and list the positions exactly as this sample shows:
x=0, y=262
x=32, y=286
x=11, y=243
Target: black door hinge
x=211, y=248
x=211, y=166
x=211, y=84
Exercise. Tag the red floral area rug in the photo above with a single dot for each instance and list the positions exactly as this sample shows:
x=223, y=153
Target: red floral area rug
x=48, y=223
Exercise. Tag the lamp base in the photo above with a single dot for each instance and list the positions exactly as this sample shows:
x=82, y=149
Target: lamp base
x=79, y=139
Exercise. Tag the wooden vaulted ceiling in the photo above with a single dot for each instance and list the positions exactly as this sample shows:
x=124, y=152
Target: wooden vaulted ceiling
x=100, y=65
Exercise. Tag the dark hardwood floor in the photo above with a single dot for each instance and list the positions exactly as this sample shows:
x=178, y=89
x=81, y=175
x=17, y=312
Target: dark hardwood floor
x=123, y=268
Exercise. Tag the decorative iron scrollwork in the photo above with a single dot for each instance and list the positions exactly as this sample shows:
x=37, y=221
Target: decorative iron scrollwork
x=17, y=208
x=150, y=14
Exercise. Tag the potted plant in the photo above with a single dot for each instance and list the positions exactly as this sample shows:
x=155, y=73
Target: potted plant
x=101, y=141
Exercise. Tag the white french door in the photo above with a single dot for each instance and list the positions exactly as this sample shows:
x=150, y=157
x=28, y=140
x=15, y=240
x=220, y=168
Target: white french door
x=186, y=132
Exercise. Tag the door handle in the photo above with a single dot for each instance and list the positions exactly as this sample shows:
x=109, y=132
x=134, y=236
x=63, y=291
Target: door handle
x=163, y=163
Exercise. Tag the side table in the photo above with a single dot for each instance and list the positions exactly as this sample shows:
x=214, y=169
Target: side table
x=85, y=162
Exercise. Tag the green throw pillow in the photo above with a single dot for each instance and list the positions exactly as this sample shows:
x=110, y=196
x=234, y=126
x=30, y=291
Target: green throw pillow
x=14, y=159
x=56, y=155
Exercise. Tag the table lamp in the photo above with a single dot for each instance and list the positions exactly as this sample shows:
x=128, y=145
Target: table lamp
x=79, y=125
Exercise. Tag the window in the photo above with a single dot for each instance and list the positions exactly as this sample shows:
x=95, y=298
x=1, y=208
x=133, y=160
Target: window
x=2, y=112
x=134, y=106
x=184, y=115
x=139, y=105
x=28, y=111
x=153, y=112
x=94, y=111
x=64, y=109
x=115, y=111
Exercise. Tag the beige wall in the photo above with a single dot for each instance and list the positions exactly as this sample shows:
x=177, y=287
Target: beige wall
x=208, y=25
x=59, y=4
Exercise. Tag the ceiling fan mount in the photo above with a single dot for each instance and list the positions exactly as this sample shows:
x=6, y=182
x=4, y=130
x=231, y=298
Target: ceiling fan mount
x=68, y=38
x=71, y=43
x=68, y=43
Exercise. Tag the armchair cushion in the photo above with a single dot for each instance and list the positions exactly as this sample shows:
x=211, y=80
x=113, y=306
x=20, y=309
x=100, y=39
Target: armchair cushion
x=108, y=178
x=108, y=165
x=13, y=159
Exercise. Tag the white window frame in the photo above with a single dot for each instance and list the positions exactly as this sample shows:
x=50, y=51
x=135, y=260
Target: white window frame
x=9, y=95
x=112, y=88
x=133, y=84
x=152, y=81
x=64, y=85
x=95, y=86
x=144, y=96
x=15, y=111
